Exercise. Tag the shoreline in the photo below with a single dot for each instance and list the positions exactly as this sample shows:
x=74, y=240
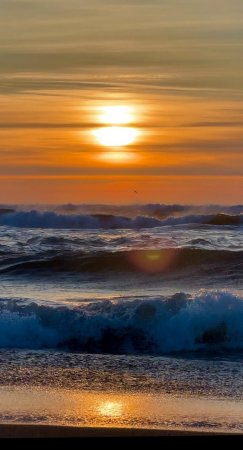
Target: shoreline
x=62, y=431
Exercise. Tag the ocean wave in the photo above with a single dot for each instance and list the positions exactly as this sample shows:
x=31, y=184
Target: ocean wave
x=159, y=261
x=50, y=219
x=208, y=321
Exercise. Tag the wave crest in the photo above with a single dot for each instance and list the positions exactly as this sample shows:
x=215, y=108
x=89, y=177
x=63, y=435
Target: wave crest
x=50, y=219
x=181, y=323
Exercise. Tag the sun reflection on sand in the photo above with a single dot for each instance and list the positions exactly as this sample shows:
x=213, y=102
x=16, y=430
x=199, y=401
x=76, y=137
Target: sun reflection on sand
x=81, y=408
x=110, y=409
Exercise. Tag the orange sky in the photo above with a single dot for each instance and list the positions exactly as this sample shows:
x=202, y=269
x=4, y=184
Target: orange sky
x=181, y=78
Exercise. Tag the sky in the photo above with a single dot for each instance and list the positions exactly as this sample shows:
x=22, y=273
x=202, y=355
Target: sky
x=175, y=65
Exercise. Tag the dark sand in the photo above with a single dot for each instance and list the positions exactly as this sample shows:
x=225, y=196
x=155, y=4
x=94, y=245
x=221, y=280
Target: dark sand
x=52, y=431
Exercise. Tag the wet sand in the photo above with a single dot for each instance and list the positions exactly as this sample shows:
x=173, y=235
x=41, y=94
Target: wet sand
x=53, y=431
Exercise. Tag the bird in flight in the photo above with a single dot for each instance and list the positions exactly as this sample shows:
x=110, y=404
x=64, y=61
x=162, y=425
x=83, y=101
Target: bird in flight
x=136, y=192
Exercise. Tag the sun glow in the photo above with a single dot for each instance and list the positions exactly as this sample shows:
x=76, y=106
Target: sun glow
x=117, y=157
x=116, y=115
x=115, y=136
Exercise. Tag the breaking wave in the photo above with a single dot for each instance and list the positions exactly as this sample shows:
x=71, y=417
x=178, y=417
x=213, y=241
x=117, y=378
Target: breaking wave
x=50, y=219
x=208, y=321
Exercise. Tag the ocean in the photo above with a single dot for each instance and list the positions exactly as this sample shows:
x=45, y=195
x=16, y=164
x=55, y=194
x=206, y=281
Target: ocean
x=122, y=315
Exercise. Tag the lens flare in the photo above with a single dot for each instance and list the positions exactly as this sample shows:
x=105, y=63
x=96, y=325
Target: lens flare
x=153, y=261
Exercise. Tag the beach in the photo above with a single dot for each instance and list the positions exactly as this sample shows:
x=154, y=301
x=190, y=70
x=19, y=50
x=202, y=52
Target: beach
x=121, y=323
x=48, y=431
x=121, y=218
x=129, y=393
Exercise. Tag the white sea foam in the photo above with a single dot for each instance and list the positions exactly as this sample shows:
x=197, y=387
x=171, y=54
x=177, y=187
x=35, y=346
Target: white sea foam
x=182, y=323
x=51, y=219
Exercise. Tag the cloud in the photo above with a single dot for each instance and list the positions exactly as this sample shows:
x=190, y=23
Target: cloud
x=44, y=36
x=213, y=124
x=189, y=166
x=45, y=125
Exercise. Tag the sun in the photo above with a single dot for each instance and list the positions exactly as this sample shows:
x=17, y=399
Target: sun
x=116, y=133
x=116, y=115
x=115, y=136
